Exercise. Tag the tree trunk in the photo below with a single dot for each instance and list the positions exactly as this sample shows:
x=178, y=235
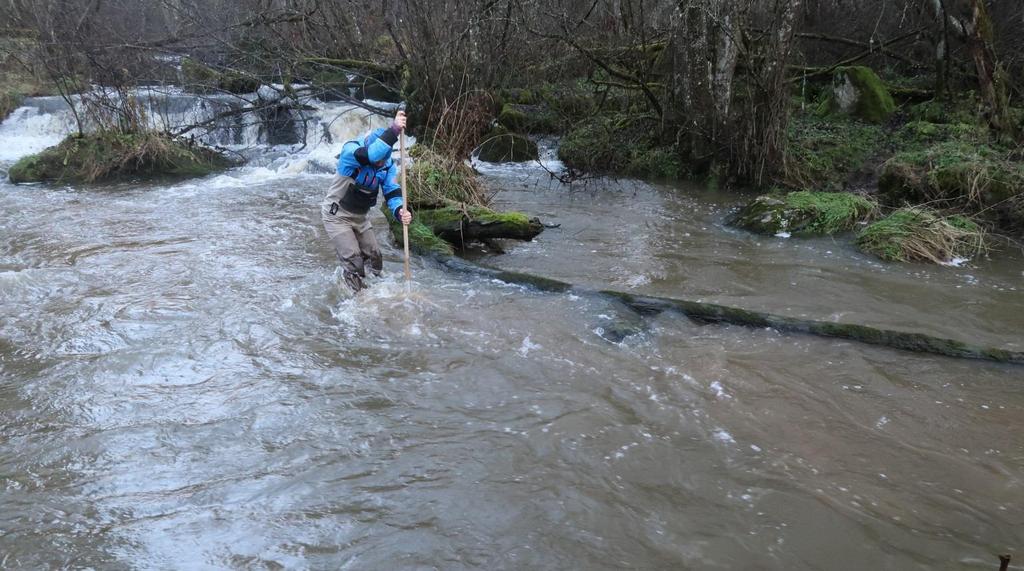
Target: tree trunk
x=991, y=77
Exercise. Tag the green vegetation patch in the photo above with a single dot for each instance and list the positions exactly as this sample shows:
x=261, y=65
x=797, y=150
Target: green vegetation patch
x=436, y=180
x=422, y=239
x=623, y=145
x=961, y=172
x=920, y=234
x=109, y=156
x=962, y=109
x=804, y=213
x=821, y=153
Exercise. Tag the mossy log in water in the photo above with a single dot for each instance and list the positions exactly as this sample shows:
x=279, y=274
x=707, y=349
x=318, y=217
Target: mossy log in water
x=803, y=213
x=110, y=156
x=460, y=226
x=714, y=313
x=440, y=230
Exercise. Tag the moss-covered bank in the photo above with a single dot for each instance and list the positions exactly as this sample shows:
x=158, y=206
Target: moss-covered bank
x=110, y=156
x=822, y=153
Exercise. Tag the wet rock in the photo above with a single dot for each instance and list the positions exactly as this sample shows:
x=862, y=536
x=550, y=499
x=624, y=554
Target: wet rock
x=857, y=91
x=504, y=147
x=620, y=326
x=521, y=118
x=803, y=213
x=279, y=124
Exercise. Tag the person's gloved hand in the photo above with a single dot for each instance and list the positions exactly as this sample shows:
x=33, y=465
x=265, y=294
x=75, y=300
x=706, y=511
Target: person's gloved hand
x=398, y=125
x=404, y=215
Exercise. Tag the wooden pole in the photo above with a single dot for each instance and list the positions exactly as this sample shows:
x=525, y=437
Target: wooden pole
x=405, y=206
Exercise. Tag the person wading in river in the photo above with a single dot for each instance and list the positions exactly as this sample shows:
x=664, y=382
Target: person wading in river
x=363, y=168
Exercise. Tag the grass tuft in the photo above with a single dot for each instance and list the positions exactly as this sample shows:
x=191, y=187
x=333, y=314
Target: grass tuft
x=919, y=234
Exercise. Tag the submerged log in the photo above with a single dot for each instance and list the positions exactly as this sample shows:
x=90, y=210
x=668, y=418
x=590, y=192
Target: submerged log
x=714, y=313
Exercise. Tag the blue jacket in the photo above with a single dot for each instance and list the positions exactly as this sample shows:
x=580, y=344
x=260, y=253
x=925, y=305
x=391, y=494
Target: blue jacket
x=368, y=163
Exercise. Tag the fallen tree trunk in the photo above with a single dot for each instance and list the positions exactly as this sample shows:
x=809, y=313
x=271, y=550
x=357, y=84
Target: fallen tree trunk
x=714, y=313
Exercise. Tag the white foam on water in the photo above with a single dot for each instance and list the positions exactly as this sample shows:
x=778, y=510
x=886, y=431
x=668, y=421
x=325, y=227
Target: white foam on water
x=322, y=127
x=29, y=130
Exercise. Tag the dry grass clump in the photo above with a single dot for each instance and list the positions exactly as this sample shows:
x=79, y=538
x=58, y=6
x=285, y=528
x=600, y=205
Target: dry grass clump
x=919, y=234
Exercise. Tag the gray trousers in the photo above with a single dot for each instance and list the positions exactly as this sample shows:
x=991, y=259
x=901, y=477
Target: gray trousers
x=357, y=248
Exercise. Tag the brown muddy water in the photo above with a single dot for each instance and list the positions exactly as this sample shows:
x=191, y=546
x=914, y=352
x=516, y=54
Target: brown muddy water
x=185, y=384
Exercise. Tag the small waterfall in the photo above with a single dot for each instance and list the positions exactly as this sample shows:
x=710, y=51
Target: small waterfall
x=285, y=136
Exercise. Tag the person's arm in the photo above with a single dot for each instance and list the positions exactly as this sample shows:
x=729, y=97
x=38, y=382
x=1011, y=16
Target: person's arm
x=348, y=164
x=393, y=196
x=380, y=148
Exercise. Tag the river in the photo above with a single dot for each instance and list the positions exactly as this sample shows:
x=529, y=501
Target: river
x=185, y=383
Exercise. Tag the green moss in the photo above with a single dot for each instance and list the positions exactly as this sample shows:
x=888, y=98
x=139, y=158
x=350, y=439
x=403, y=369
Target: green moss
x=109, y=156
x=527, y=119
x=919, y=234
x=500, y=146
x=961, y=172
x=438, y=217
x=422, y=239
x=962, y=109
x=804, y=213
x=858, y=91
x=822, y=153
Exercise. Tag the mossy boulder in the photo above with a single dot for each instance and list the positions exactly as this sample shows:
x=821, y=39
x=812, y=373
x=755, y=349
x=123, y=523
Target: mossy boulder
x=204, y=79
x=620, y=145
x=111, y=156
x=858, y=92
x=520, y=118
x=803, y=213
x=501, y=146
x=920, y=234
